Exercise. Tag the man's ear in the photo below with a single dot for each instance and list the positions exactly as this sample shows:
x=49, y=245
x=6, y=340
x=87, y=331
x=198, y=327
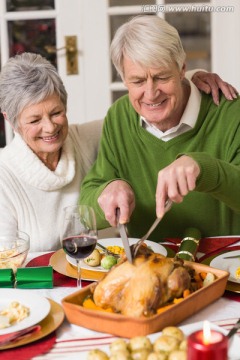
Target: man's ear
x=183, y=71
x=6, y=118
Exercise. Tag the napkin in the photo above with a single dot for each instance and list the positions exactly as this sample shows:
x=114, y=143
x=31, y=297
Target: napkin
x=6, y=278
x=35, y=277
x=29, y=351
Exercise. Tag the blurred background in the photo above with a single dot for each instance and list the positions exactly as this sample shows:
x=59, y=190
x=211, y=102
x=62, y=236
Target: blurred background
x=75, y=36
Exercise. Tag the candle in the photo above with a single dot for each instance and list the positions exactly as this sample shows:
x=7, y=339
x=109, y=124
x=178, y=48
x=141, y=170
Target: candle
x=207, y=344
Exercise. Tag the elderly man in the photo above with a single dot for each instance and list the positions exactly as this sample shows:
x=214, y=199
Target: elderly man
x=165, y=140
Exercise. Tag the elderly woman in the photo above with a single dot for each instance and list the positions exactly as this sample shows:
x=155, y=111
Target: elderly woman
x=165, y=140
x=41, y=169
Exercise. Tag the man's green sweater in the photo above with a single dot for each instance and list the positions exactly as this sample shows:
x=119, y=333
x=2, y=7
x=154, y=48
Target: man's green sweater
x=130, y=153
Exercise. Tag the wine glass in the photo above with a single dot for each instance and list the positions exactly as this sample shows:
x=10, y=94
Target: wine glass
x=79, y=234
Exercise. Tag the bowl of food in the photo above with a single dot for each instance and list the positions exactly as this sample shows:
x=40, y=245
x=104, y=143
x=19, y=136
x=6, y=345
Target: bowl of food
x=13, y=250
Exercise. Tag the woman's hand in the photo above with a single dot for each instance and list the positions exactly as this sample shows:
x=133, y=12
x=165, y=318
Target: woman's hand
x=211, y=83
x=176, y=181
x=117, y=194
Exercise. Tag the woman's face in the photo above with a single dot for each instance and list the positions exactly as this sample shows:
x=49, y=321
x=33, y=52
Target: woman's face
x=44, y=127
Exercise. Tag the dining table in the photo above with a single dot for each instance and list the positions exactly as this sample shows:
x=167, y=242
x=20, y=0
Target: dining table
x=69, y=341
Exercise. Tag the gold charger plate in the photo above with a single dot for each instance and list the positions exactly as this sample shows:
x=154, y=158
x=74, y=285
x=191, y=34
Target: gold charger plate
x=231, y=286
x=51, y=322
x=60, y=264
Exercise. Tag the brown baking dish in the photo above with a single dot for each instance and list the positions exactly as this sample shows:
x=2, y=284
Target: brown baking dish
x=126, y=326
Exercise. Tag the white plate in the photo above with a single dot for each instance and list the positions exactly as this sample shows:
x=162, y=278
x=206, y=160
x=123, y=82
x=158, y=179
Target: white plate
x=230, y=265
x=157, y=248
x=233, y=352
x=39, y=307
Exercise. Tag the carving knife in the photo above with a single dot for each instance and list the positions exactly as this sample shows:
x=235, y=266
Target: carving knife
x=124, y=237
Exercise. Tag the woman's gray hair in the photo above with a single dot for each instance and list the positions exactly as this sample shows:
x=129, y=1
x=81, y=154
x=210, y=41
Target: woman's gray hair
x=25, y=80
x=149, y=41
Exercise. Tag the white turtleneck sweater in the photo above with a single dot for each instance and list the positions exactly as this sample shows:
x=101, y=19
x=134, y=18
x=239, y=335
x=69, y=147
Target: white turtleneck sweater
x=32, y=197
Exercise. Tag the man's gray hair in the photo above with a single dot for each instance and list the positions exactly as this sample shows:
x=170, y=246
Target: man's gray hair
x=149, y=41
x=28, y=79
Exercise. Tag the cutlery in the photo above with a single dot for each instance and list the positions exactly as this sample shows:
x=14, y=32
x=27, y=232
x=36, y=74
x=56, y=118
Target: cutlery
x=8, y=338
x=135, y=247
x=234, y=329
x=232, y=257
x=124, y=237
x=107, y=251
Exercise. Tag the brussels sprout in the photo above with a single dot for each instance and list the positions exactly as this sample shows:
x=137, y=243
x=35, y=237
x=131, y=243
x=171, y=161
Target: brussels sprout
x=108, y=261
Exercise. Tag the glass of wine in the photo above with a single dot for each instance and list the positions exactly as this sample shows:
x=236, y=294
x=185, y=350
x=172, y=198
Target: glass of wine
x=79, y=234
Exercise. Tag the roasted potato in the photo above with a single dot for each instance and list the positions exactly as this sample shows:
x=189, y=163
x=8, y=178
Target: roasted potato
x=140, y=342
x=97, y=354
x=166, y=343
x=178, y=355
x=121, y=355
x=118, y=345
x=141, y=354
x=209, y=279
x=94, y=259
x=161, y=355
x=183, y=345
x=174, y=331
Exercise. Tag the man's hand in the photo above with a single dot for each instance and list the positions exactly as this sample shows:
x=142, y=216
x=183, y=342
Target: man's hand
x=176, y=181
x=117, y=194
x=212, y=83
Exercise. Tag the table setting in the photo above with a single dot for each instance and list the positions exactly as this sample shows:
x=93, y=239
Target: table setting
x=47, y=281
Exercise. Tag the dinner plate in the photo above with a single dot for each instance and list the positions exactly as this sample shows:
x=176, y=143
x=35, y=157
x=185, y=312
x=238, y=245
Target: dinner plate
x=230, y=265
x=231, y=286
x=49, y=324
x=233, y=352
x=157, y=248
x=39, y=307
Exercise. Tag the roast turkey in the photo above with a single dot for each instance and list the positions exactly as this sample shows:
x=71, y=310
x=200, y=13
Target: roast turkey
x=140, y=288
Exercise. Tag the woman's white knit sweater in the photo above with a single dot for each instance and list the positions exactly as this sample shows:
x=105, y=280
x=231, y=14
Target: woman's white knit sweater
x=32, y=197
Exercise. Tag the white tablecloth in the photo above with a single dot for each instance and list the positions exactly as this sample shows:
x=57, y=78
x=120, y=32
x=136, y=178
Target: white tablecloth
x=68, y=335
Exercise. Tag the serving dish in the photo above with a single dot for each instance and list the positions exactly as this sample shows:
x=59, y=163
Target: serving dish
x=126, y=326
x=157, y=248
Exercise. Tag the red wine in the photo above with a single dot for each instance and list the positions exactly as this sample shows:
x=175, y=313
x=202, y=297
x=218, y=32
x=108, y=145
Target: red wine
x=80, y=246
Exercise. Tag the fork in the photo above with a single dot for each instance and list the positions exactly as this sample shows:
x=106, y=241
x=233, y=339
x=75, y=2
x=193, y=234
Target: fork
x=106, y=251
x=135, y=247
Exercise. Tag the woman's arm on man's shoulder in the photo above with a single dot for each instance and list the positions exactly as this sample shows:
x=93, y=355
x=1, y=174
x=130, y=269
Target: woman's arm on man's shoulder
x=211, y=83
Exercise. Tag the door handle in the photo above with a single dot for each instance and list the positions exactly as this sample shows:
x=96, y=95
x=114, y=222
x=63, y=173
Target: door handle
x=71, y=54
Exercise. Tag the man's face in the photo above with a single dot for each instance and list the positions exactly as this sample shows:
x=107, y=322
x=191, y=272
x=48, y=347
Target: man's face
x=157, y=94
